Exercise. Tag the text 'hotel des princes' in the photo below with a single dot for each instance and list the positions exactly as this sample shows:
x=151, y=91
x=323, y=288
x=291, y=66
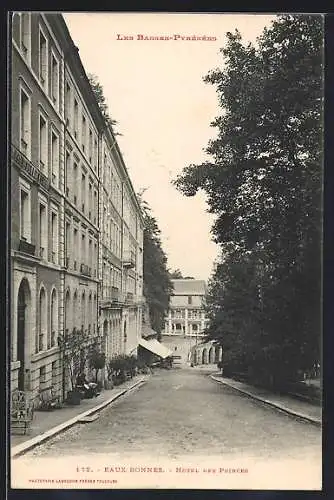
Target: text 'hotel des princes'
x=76, y=225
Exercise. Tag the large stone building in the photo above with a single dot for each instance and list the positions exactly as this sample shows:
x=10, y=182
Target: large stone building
x=186, y=315
x=76, y=225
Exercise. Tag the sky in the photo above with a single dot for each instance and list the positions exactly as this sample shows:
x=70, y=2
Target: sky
x=155, y=91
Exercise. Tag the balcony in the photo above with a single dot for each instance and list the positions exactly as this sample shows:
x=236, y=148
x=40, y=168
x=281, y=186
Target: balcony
x=129, y=260
x=26, y=247
x=85, y=270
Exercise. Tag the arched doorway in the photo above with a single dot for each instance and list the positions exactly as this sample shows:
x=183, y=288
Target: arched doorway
x=211, y=355
x=67, y=310
x=54, y=319
x=125, y=333
x=204, y=357
x=23, y=303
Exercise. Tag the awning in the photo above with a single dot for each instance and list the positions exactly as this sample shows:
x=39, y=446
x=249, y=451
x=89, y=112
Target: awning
x=155, y=347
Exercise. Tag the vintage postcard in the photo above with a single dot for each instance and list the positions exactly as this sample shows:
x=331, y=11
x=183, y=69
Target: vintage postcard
x=165, y=260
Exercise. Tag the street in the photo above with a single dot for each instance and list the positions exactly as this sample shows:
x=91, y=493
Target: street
x=183, y=412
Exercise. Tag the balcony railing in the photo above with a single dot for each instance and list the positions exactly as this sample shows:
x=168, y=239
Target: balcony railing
x=26, y=247
x=129, y=260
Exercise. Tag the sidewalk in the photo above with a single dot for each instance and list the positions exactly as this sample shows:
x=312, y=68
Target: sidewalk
x=287, y=404
x=46, y=424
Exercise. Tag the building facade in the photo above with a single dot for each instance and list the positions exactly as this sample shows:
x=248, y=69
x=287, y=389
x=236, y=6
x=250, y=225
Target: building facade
x=76, y=225
x=186, y=314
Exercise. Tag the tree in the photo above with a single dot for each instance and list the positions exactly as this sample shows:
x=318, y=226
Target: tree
x=157, y=283
x=74, y=347
x=96, y=360
x=101, y=101
x=264, y=184
x=176, y=274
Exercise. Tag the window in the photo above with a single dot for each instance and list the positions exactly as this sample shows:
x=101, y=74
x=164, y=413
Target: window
x=42, y=377
x=83, y=248
x=53, y=319
x=83, y=309
x=67, y=310
x=90, y=201
x=90, y=146
x=83, y=192
x=90, y=256
x=42, y=59
x=104, y=224
x=190, y=300
x=75, y=309
x=95, y=155
x=75, y=182
x=25, y=123
x=55, y=158
x=90, y=311
x=25, y=218
x=43, y=231
x=42, y=143
x=54, y=238
x=67, y=243
x=67, y=103
x=21, y=32
x=42, y=321
x=95, y=206
x=75, y=247
x=83, y=133
x=95, y=259
x=76, y=117
x=54, y=79
x=67, y=173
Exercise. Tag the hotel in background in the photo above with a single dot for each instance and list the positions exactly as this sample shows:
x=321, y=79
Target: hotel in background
x=76, y=225
x=186, y=315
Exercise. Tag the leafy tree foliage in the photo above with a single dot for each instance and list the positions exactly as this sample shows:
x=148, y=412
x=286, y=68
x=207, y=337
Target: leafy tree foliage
x=177, y=275
x=101, y=100
x=264, y=184
x=157, y=283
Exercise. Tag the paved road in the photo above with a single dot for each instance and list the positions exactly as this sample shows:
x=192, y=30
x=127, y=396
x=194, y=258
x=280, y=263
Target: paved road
x=183, y=412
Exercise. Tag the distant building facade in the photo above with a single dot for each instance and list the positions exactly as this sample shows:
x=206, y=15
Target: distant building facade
x=76, y=225
x=186, y=314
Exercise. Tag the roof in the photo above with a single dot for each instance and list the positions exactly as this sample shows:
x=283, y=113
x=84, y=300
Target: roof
x=189, y=287
x=147, y=331
x=155, y=347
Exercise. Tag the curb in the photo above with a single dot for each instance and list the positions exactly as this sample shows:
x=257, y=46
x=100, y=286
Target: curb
x=284, y=409
x=41, y=438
